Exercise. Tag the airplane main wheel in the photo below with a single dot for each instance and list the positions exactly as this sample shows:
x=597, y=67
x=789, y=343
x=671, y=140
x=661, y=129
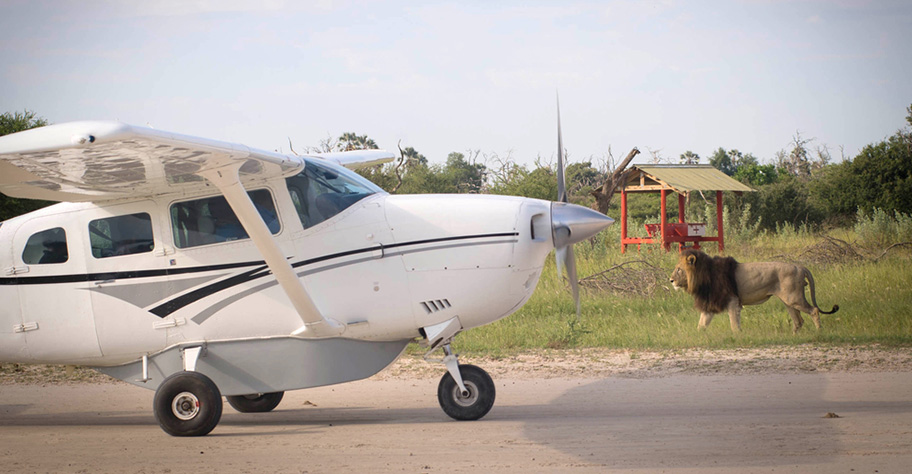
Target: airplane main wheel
x=256, y=403
x=187, y=404
x=473, y=405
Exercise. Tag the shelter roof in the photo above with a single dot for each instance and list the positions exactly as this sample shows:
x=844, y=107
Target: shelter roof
x=681, y=179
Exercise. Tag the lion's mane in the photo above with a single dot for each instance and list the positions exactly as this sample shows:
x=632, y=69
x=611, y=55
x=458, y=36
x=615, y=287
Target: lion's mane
x=710, y=279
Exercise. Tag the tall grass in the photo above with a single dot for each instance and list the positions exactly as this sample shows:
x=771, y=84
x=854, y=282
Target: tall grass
x=875, y=300
x=881, y=229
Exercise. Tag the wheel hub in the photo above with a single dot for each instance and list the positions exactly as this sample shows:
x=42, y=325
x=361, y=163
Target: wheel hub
x=467, y=399
x=185, y=406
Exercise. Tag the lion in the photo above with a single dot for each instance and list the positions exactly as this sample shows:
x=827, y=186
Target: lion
x=721, y=283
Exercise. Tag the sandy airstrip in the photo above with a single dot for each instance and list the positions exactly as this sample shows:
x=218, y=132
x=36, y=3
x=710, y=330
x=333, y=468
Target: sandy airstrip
x=771, y=410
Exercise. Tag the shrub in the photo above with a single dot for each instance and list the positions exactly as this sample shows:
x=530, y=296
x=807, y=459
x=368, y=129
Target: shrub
x=879, y=228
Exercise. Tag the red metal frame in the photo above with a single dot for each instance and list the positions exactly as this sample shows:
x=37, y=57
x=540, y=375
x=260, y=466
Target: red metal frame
x=670, y=233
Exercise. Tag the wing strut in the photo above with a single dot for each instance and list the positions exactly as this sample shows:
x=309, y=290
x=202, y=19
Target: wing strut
x=228, y=182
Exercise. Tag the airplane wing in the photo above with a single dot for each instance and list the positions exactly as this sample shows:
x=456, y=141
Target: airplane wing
x=358, y=158
x=99, y=161
x=102, y=160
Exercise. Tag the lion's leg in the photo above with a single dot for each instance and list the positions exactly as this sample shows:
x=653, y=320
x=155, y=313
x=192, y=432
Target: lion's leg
x=734, y=315
x=705, y=319
x=815, y=316
x=797, y=320
x=801, y=304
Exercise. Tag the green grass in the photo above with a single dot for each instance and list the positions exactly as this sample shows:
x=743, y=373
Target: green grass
x=875, y=300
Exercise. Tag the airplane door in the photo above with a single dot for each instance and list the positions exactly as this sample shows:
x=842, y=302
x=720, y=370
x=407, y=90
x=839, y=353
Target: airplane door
x=56, y=309
x=12, y=336
x=126, y=260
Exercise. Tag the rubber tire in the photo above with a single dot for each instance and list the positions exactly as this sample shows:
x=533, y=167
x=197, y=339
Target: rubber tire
x=480, y=399
x=260, y=403
x=200, y=386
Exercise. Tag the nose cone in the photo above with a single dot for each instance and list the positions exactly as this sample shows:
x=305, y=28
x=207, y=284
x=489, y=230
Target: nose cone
x=571, y=223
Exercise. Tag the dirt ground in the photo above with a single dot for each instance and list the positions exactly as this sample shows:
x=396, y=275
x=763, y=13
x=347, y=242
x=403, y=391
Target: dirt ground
x=805, y=409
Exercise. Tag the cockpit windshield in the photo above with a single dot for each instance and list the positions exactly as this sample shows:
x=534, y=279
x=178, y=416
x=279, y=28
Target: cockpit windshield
x=322, y=191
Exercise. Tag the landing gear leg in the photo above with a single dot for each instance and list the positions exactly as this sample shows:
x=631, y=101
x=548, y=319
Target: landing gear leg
x=451, y=362
x=465, y=392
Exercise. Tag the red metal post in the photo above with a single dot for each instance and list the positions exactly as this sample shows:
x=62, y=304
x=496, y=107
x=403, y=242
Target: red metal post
x=623, y=220
x=663, y=226
x=719, y=220
x=680, y=216
x=681, y=208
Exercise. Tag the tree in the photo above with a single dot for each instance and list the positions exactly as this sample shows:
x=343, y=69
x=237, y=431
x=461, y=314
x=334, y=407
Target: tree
x=540, y=183
x=798, y=161
x=391, y=175
x=351, y=141
x=12, y=122
x=784, y=201
x=721, y=160
x=615, y=177
x=880, y=176
x=757, y=175
x=466, y=177
x=729, y=161
x=582, y=177
x=689, y=158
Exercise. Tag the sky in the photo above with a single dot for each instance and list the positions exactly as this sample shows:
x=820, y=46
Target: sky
x=442, y=77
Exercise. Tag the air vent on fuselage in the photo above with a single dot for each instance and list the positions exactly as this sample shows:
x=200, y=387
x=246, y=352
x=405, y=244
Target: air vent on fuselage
x=432, y=306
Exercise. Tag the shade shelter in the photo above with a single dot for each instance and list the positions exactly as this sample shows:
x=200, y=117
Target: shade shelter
x=682, y=180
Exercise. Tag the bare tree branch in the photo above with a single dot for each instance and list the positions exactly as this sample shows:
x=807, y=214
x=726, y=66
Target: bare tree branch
x=619, y=175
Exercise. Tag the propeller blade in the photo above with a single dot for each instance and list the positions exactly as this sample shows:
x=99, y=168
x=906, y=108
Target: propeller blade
x=574, y=280
x=561, y=182
x=560, y=258
x=566, y=260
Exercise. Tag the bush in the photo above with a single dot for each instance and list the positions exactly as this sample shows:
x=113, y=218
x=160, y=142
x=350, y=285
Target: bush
x=880, y=229
x=784, y=203
x=741, y=227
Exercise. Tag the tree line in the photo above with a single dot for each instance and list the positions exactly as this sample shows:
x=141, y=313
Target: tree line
x=799, y=186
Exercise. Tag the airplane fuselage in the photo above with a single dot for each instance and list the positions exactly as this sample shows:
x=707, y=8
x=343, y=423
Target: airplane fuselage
x=384, y=266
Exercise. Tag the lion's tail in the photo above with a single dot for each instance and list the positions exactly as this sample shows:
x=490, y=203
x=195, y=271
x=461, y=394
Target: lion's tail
x=810, y=279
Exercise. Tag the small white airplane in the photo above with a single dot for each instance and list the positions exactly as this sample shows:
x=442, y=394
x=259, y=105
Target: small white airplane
x=201, y=269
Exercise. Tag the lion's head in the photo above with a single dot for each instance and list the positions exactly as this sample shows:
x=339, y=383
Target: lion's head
x=679, y=278
x=688, y=269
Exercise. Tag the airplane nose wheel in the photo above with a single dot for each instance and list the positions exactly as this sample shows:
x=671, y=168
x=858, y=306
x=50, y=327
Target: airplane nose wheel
x=187, y=404
x=472, y=404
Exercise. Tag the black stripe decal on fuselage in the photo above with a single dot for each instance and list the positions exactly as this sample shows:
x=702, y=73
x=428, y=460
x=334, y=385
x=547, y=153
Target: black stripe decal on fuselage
x=260, y=271
x=53, y=279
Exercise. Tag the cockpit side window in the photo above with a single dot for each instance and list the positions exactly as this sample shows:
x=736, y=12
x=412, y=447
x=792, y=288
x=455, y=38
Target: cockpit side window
x=211, y=220
x=121, y=235
x=321, y=191
x=48, y=246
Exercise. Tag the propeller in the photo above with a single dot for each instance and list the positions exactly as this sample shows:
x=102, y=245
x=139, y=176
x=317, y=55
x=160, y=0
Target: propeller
x=571, y=223
x=564, y=254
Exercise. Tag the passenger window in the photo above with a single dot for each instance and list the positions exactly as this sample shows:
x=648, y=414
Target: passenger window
x=121, y=235
x=320, y=191
x=47, y=246
x=211, y=220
